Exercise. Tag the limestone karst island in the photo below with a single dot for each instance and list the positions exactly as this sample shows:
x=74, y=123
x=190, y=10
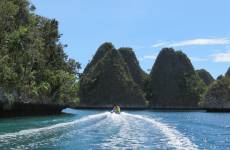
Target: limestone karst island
x=111, y=75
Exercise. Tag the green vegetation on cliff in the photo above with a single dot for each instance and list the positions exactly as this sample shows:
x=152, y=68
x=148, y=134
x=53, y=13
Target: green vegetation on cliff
x=33, y=65
x=107, y=80
x=173, y=81
x=205, y=76
x=101, y=51
x=218, y=94
x=138, y=75
x=227, y=74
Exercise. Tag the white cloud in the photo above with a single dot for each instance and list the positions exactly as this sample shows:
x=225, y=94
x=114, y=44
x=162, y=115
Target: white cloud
x=192, y=42
x=161, y=44
x=220, y=41
x=221, y=57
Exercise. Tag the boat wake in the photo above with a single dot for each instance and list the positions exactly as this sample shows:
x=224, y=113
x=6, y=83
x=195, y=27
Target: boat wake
x=53, y=127
x=125, y=130
x=175, y=138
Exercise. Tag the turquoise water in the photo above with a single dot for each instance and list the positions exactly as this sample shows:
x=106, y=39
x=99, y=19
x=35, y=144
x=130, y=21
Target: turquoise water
x=90, y=129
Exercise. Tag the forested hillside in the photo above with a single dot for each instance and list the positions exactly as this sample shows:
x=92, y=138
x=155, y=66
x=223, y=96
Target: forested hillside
x=33, y=65
x=107, y=80
x=174, y=82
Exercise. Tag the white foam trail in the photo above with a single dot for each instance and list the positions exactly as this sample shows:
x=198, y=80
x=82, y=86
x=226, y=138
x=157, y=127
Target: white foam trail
x=124, y=137
x=96, y=125
x=59, y=125
x=176, y=139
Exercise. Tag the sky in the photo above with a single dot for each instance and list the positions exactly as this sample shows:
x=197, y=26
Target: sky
x=199, y=28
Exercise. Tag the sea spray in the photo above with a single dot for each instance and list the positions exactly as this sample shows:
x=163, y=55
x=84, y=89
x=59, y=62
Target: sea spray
x=52, y=127
x=176, y=139
x=113, y=130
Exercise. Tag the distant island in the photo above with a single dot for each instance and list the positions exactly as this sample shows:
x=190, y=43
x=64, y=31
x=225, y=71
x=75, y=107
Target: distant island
x=114, y=76
x=37, y=76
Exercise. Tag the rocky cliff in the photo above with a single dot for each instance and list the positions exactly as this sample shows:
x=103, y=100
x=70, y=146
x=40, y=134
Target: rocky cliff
x=227, y=74
x=135, y=70
x=218, y=94
x=173, y=81
x=107, y=80
x=205, y=76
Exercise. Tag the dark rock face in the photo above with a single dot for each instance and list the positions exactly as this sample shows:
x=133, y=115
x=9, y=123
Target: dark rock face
x=218, y=95
x=22, y=109
x=137, y=73
x=107, y=81
x=205, y=76
x=227, y=74
x=3, y=98
x=173, y=81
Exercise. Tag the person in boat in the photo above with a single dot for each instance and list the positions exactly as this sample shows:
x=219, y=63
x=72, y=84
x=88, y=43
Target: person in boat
x=116, y=109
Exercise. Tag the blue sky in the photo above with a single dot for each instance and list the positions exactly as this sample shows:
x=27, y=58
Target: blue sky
x=200, y=28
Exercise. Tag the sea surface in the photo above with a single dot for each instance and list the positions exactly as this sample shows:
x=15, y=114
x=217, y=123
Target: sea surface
x=102, y=130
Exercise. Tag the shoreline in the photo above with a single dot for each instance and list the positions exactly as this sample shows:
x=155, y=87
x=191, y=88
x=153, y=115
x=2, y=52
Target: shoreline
x=168, y=109
x=24, y=110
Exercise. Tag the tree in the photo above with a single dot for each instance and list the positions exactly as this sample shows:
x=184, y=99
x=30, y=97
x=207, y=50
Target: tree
x=218, y=94
x=205, y=76
x=33, y=65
